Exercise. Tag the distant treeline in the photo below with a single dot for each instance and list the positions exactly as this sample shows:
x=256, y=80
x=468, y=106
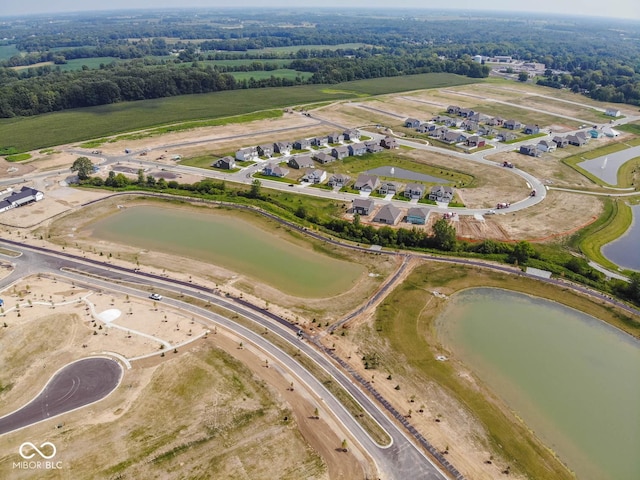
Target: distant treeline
x=54, y=91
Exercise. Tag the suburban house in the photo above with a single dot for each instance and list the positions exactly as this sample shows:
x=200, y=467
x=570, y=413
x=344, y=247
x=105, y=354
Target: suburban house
x=487, y=131
x=324, y=157
x=506, y=136
x=226, y=163
x=301, y=161
x=356, y=149
x=417, y=216
x=560, y=142
x=495, y=121
x=315, y=176
x=338, y=180
x=352, y=134
x=335, y=138
x=576, y=140
x=479, y=117
x=373, y=146
x=466, y=112
x=512, y=125
x=283, y=148
x=363, y=206
x=412, y=123
x=265, y=150
x=475, y=141
x=25, y=196
x=530, y=150
x=452, y=122
x=469, y=125
x=301, y=144
x=414, y=190
x=388, y=188
x=453, y=109
x=274, y=171
x=366, y=183
x=389, y=142
x=547, y=145
x=441, y=193
x=453, y=137
x=247, y=154
x=612, y=112
x=531, y=129
x=583, y=135
x=440, y=118
x=610, y=132
x=439, y=132
x=389, y=215
x=320, y=141
x=340, y=152
x=426, y=128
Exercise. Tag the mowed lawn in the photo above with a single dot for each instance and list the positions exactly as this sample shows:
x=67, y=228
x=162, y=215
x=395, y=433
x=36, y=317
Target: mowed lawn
x=30, y=133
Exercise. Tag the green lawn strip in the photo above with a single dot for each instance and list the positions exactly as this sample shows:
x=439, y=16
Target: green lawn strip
x=612, y=224
x=629, y=128
x=275, y=179
x=525, y=138
x=106, y=120
x=629, y=173
x=18, y=157
x=370, y=161
x=404, y=329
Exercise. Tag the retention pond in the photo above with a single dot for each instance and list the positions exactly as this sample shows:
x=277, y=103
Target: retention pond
x=572, y=378
x=233, y=243
x=625, y=251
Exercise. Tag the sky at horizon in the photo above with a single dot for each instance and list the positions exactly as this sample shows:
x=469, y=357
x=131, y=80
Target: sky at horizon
x=625, y=9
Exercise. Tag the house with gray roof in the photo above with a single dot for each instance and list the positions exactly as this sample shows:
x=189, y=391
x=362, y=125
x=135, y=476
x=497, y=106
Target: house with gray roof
x=335, y=138
x=324, y=158
x=388, y=188
x=469, y=125
x=414, y=190
x=265, y=150
x=412, y=123
x=530, y=150
x=321, y=141
x=340, y=152
x=512, y=124
x=388, y=214
x=362, y=206
x=275, y=171
x=357, y=149
x=441, y=193
x=366, y=183
x=300, y=161
x=417, y=216
x=247, y=154
x=338, y=180
x=302, y=144
x=453, y=137
x=531, y=129
x=495, y=121
x=389, y=143
x=283, y=148
x=373, y=146
x=426, y=128
x=546, y=145
x=560, y=142
x=576, y=140
x=351, y=134
x=225, y=163
x=17, y=199
x=506, y=136
x=453, y=109
x=315, y=176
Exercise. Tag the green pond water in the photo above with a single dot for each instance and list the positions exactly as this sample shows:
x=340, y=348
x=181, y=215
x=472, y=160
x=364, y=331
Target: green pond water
x=232, y=243
x=572, y=378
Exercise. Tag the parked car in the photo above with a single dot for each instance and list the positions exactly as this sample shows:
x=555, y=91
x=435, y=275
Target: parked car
x=155, y=296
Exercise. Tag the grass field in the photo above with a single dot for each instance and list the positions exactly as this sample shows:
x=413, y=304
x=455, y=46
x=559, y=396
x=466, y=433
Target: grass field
x=8, y=51
x=262, y=74
x=244, y=61
x=87, y=123
x=295, y=48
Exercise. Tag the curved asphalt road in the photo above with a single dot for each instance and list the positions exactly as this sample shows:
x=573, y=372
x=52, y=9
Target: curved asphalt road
x=75, y=385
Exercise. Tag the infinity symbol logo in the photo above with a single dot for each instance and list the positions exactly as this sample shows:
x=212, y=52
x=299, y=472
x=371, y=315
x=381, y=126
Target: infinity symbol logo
x=33, y=447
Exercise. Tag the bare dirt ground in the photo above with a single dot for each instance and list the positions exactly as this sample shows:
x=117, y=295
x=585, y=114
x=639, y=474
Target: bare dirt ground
x=430, y=409
x=192, y=388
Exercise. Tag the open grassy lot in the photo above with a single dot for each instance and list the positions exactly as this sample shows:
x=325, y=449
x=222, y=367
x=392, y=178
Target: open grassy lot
x=354, y=165
x=295, y=48
x=8, y=51
x=262, y=74
x=83, y=124
x=244, y=61
x=406, y=342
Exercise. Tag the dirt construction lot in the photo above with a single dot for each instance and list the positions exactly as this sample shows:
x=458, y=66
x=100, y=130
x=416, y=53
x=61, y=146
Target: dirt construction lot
x=223, y=413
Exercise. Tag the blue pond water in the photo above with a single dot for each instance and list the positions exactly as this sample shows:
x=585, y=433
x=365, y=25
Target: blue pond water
x=625, y=251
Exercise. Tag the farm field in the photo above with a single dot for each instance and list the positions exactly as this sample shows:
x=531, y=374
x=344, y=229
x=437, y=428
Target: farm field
x=295, y=48
x=262, y=74
x=83, y=124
